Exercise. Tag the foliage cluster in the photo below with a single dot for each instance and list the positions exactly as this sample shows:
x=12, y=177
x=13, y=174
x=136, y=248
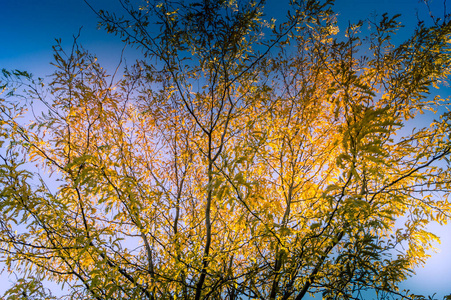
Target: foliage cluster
x=239, y=159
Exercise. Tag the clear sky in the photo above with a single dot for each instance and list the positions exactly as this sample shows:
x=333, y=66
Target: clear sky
x=28, y=29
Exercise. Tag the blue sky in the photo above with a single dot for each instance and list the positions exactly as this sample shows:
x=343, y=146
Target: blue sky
x=28, y=29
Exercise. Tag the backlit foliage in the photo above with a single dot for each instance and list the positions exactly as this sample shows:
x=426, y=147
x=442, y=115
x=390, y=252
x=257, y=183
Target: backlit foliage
x=241, y=158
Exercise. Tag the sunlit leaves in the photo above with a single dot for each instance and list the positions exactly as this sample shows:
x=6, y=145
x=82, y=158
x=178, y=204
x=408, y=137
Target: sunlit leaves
x=239, y=158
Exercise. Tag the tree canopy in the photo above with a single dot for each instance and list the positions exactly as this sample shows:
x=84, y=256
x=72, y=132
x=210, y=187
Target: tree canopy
x=239, y=158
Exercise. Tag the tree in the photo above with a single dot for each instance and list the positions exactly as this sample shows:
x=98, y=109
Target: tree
x=239, y=159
